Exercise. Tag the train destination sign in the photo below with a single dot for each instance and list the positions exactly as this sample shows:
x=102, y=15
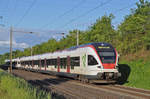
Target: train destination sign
x=103, y=47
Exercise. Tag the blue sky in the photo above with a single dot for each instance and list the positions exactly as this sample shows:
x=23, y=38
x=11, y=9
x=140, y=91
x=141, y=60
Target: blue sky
x=48, y=17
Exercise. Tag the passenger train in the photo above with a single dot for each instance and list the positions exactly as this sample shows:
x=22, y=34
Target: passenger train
x=94, y=62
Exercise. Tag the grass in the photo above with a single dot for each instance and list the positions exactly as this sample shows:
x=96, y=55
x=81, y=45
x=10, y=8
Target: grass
x=15, y=88
x=136, y=71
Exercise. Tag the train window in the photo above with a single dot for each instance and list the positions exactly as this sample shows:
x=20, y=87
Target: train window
x=72, y=67
x=61, y=66
x=55, y=62
x=30, y=62
x=107, y=57
x=35, y=62
x=65, y=67
x=42, y=63
x=47, y=61
x=20, y=63
x=91, y=60
x=55, y=66
x=50, y=61
x=25, y=63
x=75, y=61
x=63, y=62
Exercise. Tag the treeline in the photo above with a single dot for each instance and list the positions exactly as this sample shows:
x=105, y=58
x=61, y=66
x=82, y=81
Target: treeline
x=131, y=35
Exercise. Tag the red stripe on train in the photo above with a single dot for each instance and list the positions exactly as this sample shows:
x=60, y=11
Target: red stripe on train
x=108, y=66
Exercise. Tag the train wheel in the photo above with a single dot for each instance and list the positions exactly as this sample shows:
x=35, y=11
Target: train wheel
x=80, y=77
x=85, y=80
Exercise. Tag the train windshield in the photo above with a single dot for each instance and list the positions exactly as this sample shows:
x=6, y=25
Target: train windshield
x=107, y=56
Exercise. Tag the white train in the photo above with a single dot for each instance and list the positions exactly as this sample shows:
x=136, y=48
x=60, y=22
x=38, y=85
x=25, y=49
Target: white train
x=89, y=62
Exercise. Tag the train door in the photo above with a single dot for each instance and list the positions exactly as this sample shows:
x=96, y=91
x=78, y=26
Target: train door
x=32, y=64
x=24, y=64
x=68, y=64
x=58, y=64
x=40, y=64
x=45, y=64
x=83, y=63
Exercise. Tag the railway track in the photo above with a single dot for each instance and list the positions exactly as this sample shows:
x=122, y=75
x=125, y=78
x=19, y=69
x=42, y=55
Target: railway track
x=73, y=89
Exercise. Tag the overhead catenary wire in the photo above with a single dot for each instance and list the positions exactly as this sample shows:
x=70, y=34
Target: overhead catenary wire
x=26, y=12
x=115, y=11
x=123, y=8
x=14, y=10
x=87, y=12
x=7, y=9
x=65, y=13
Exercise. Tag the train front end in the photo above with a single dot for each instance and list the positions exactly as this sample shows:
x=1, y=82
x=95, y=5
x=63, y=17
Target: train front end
x=106, y=62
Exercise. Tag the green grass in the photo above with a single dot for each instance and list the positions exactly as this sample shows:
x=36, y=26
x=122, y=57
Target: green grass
x=15, y=88
x=137, y=73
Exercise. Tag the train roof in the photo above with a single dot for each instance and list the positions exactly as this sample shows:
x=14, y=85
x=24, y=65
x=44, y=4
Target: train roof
x=94, y=44
x=42, y=56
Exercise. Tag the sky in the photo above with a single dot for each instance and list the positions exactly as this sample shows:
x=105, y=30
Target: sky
x=47, y=18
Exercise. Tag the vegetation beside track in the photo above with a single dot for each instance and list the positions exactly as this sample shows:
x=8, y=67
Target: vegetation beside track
x=136, y=70
x=12, y=87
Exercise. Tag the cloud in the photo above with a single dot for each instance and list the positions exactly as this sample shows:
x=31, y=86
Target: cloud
x=23, y=35
x=15, y=45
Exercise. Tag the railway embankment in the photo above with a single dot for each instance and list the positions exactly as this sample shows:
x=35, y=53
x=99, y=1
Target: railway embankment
x=12, y=87
x=73, y=89
x=135, y=69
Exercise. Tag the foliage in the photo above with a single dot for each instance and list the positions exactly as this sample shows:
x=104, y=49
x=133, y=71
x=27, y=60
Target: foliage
x=15, y=88
x=134, y=31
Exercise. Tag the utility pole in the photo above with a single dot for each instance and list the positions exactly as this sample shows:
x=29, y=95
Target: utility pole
x=11, y=32
x=11, y=45
x=77, y=38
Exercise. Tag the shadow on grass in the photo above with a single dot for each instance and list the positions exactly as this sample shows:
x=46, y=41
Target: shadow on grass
x=5, y=67
x=125, y=70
